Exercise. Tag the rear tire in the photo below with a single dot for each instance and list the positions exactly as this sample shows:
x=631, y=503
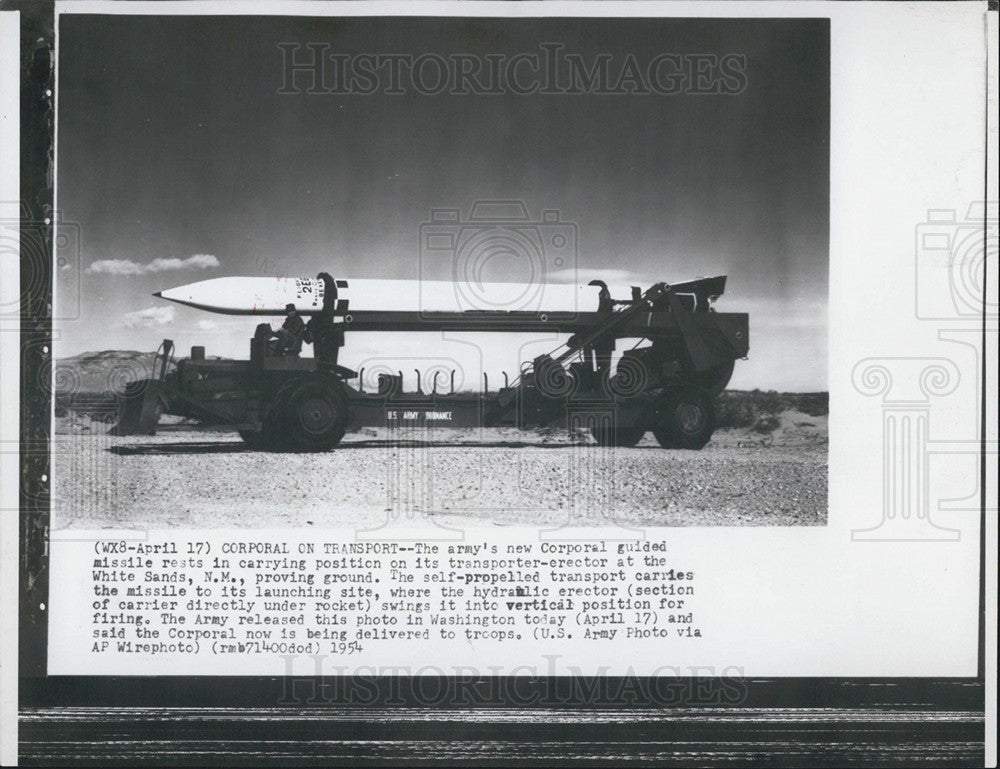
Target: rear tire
x=686, y=420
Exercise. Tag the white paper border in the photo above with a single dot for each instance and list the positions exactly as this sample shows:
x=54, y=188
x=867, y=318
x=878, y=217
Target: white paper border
x=863, y=36
x=10, y=386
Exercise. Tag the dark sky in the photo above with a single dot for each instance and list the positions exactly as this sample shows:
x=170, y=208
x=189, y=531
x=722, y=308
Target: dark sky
x=173, y=141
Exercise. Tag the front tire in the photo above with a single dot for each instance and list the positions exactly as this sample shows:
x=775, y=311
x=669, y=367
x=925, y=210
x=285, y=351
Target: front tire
x=686, y=420
x=313, y=417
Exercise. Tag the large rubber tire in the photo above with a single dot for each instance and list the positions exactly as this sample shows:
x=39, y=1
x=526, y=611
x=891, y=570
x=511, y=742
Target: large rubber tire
x=687, y=420
x=312, y=416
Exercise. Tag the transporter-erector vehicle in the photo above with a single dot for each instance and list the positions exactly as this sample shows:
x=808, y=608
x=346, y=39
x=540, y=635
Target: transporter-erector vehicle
x=681, y=356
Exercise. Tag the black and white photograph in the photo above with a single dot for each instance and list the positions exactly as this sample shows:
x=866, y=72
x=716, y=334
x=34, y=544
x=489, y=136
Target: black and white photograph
x=564, y=271
x=498, y=383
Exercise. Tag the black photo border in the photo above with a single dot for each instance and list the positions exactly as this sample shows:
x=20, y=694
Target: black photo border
x=84, y=720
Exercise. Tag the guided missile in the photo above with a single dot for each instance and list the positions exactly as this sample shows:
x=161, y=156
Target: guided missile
x=269, y=296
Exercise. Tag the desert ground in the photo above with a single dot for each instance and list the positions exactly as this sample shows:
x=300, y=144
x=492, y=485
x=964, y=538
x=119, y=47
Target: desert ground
x=770, y=473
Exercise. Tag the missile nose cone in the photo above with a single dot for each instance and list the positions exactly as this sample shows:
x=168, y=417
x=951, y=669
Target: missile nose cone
x=158, y=294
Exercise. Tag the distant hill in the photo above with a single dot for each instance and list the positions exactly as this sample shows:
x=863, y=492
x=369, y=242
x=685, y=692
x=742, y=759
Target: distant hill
x=745, y=408
x=99, y=372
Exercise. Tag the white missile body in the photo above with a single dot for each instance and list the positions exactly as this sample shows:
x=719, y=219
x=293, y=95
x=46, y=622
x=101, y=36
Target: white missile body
x=268, y=296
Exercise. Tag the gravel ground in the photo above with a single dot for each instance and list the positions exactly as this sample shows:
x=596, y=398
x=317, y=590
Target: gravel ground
x=200, y=478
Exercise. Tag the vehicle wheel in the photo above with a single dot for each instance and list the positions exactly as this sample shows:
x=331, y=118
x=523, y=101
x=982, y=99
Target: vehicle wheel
x=687, y=420
x=313, y=417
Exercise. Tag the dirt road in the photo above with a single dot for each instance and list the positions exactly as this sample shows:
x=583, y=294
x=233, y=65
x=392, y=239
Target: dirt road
x=186, y=478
